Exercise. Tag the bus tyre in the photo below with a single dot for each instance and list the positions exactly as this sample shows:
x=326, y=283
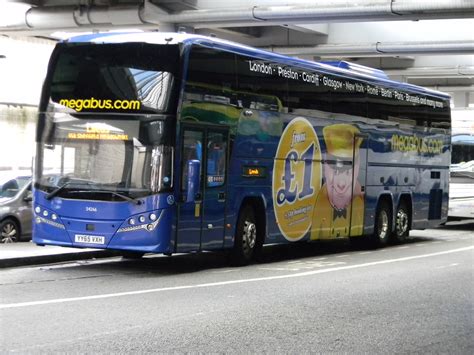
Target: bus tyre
x=9, y=231
x=245, y=243
x=382, y=226
x=402, y=224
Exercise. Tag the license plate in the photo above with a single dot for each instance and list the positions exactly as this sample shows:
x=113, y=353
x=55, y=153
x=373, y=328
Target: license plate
x=89, y=239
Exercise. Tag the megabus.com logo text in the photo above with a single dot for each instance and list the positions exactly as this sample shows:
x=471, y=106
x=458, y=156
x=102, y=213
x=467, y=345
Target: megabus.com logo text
x=92, y=103
x=414, y=143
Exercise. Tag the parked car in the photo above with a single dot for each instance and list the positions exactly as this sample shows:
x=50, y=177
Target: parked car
x=16, y=212
x=461, y=191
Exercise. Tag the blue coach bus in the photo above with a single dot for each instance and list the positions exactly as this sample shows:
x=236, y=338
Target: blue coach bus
x=170, y=143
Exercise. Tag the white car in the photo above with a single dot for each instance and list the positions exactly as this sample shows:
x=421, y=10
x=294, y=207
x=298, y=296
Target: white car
x=461, y=191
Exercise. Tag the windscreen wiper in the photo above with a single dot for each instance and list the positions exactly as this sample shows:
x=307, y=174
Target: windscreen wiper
x=118, y=194
x=62, y=187
x=114, y=193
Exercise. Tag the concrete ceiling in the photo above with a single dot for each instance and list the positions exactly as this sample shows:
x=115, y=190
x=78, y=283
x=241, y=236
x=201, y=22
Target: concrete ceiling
x=425, y=42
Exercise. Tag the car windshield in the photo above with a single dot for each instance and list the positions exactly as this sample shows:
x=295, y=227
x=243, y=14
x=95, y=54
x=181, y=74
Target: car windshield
x=10, y=187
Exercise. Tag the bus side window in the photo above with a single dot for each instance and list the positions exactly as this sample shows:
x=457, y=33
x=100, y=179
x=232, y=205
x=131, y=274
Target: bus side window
x=216, y=160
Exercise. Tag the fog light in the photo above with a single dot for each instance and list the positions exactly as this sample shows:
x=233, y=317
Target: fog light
x=54, y=216
x=38, y=209
x=38, y=220
x=153, y=217
x=150, y=227
x=141, y=219
x=45, y=213
x=131, y=221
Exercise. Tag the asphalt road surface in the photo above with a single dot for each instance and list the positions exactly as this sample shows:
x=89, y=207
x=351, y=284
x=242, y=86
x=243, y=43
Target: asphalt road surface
x=323, y=297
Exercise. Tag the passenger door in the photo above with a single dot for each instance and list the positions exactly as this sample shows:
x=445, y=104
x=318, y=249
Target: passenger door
x=215, y=183
x=201, y=220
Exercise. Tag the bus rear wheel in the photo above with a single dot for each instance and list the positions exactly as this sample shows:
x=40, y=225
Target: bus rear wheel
x=382, y=226
x=246, y=243
x=402, y=224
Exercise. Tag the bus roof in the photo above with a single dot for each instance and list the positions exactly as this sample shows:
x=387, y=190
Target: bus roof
x=346, y=69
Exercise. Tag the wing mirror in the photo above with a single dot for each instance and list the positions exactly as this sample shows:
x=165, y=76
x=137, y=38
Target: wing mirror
x=28, y=197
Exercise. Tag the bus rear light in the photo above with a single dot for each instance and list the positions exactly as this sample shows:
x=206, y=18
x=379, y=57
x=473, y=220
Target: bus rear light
x=153, y=217
x=54, y=216
x=38, y=209
x=141, y=219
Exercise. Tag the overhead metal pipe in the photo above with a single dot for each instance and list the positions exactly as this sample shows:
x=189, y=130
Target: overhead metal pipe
x=454, y=88
x=380, y=49
x=323, y=11
x=79, y=16
x=438, y=72
x=326, y=11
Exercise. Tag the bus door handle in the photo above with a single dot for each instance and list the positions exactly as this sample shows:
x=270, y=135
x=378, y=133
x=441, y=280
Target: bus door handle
x=221, y=197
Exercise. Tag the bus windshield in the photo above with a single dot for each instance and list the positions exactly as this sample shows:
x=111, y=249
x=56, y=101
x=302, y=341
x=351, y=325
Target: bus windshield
x=130, y=78
x=101, y=158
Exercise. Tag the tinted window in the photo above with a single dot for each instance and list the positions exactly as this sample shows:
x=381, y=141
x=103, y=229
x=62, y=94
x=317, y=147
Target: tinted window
x=210, y=88
x=216, y=159
x=114, y=77
x=348, y=97
x=439, y=117
x=411, y=108
x=261, y=85
x=307, y=93
x=211, y=76
x=383, y=103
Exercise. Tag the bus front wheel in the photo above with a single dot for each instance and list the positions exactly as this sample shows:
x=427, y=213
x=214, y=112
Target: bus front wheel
x=246, y=242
